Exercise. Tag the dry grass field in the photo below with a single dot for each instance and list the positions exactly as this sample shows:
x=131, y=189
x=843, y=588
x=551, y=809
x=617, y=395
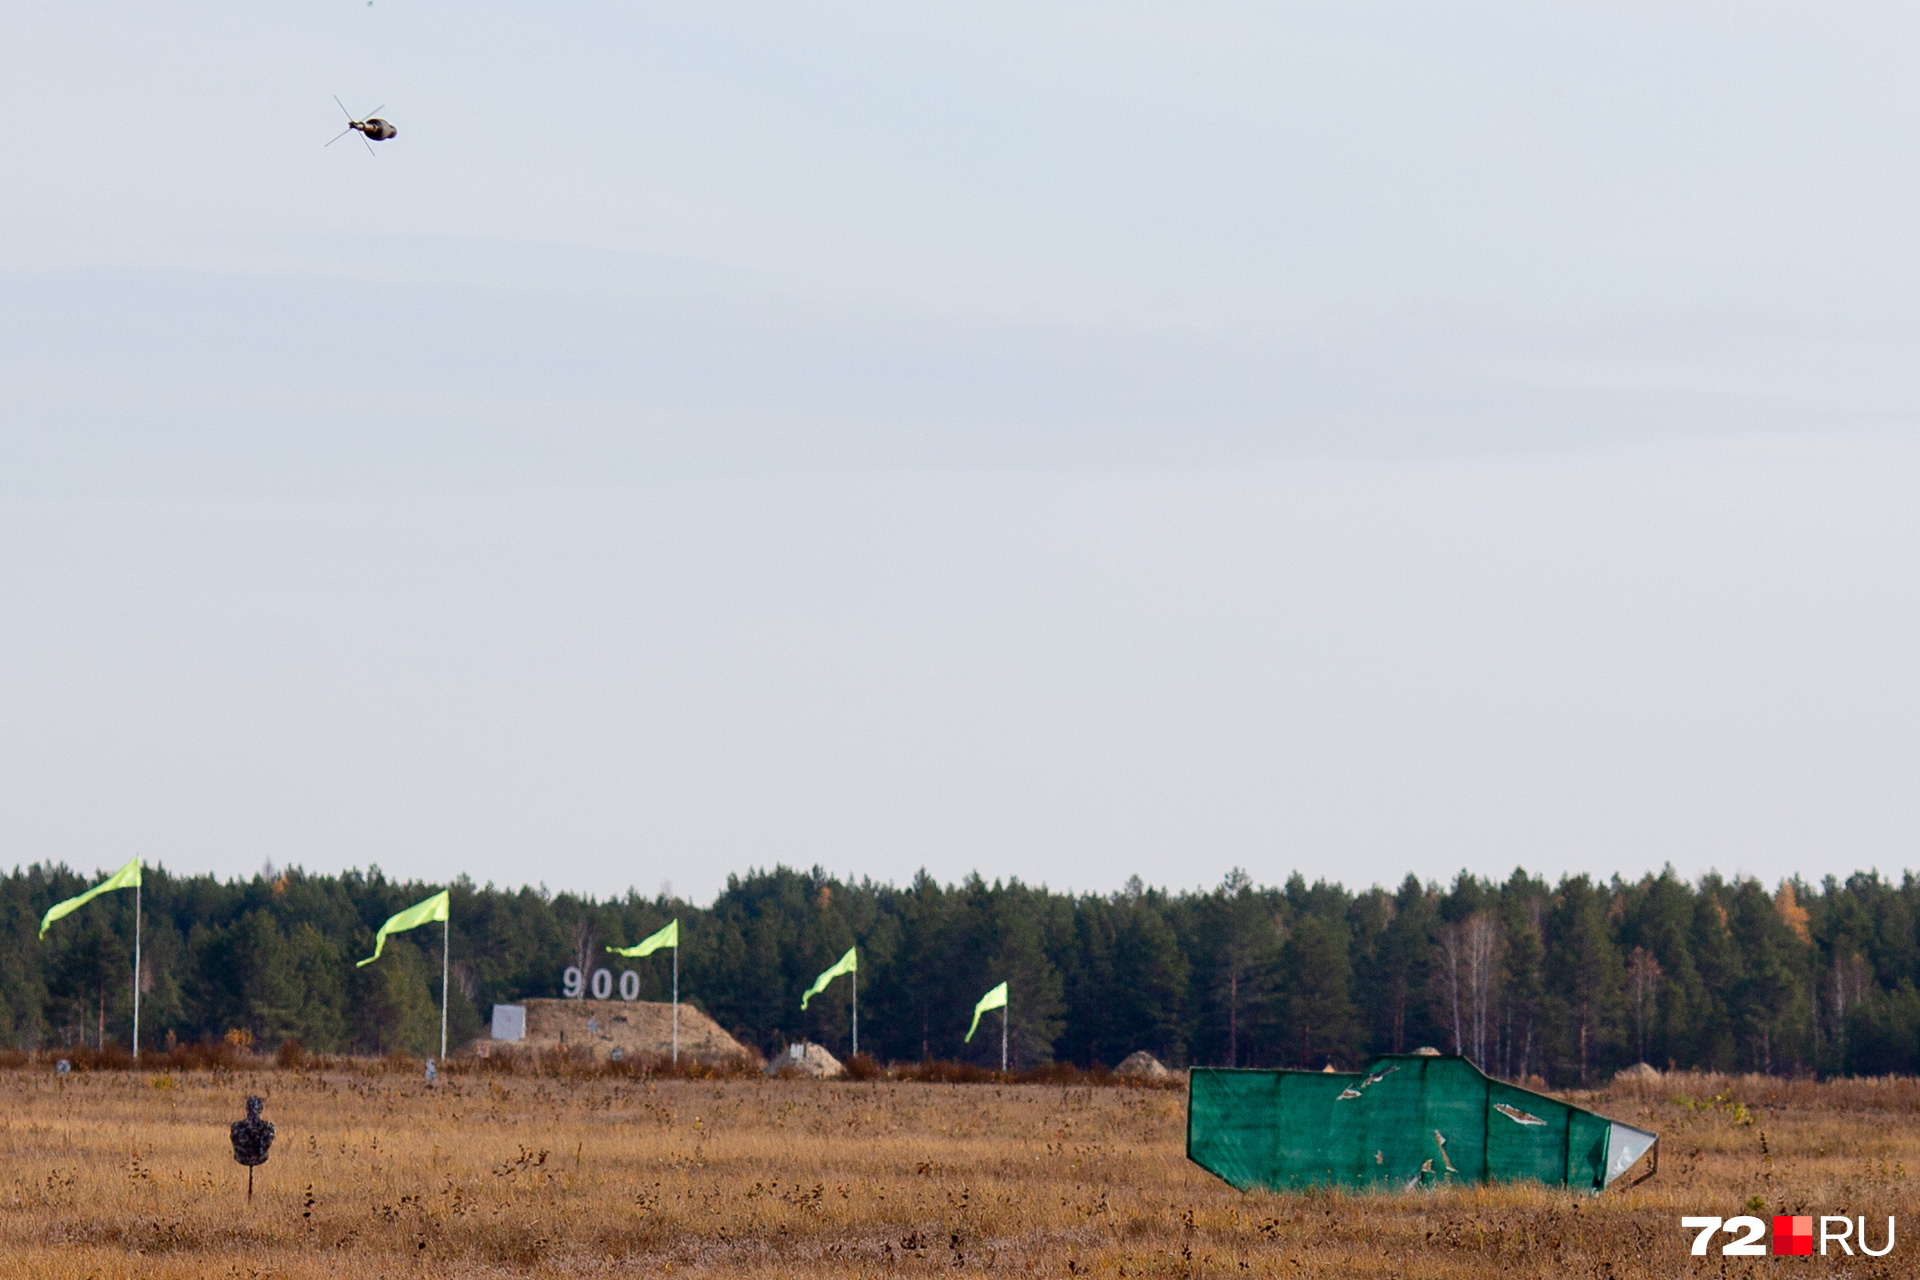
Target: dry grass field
x=112, y=1174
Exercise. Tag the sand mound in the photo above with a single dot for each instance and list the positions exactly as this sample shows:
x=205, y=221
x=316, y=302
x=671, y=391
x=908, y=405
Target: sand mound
x=638, y=1028
x=806, y=1060
x=1638, y=1071
x=1141, y=1065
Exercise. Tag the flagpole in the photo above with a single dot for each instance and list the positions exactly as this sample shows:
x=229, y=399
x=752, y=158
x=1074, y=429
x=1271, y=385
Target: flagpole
x=1003, y=1039
x=446, y=937
x=676, y=997
x=856, y=1013
x=136, y=973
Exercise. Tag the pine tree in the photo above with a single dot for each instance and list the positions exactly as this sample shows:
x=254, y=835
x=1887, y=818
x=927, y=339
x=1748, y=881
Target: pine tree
x=1403, y=961
x=1523, y=980
x=394, y=1008
x=1150, y=976
x=1245, y=955
x=1585, y=978
x=1317, y=971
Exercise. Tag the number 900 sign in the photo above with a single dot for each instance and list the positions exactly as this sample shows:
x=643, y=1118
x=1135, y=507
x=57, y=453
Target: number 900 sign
x=575, y=984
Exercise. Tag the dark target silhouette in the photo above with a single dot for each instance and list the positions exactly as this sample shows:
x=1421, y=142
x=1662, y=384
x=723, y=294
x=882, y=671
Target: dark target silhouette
x=251, y=1139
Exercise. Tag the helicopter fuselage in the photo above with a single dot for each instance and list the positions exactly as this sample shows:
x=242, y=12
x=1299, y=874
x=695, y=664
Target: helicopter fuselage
x=376, y=129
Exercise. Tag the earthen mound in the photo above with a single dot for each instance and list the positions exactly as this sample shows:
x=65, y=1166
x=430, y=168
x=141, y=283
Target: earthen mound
x=639, y=1029
x=1141, y=1065
x=806, y=1059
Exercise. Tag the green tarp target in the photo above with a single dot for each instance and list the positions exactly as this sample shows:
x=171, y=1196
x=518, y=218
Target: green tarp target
x=1408, y=1121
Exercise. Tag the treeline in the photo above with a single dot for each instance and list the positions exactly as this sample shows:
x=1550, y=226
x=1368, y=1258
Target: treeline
x=1567, y=982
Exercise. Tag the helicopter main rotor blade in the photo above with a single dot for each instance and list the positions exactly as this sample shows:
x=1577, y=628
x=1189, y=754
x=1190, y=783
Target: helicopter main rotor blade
x=369, y=147
x=376, y=111
x=336, y=137
x=343, y=107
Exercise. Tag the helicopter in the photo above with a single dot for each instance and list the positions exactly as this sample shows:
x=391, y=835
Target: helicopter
x=372, y=129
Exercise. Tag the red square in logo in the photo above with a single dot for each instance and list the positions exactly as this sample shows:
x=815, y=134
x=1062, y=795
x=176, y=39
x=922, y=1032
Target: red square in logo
x=1793, y=1234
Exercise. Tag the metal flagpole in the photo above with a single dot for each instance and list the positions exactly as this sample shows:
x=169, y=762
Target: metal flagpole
x=856, y=1013
x=136, y=973
x=446, y=937
x=676, y=997
x=1003, y=1039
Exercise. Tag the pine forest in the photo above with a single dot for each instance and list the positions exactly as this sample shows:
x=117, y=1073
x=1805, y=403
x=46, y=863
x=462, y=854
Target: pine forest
x=1565, y=982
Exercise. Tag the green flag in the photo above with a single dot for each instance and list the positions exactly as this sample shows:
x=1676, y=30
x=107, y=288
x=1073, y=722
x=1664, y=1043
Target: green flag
x=433, y=910
x=667, y=937
x=127, y=877
x=994, y=999
x=848, y=963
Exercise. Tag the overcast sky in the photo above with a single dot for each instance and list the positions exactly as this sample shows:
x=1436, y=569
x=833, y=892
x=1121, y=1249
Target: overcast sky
x=1064, y=441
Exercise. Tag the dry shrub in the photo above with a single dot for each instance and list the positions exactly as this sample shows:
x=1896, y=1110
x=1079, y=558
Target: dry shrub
x=941, y=1071
x=563, y=1063
x=1899, y=1095
x=212, y=1055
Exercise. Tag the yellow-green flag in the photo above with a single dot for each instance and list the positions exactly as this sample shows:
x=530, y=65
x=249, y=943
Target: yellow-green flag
x=127, y=877
x=994, y=999
x=848, y=963
x=667, y=937
x=433, y=911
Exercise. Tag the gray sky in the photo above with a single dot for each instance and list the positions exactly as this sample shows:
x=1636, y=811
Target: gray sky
x=1067, y=442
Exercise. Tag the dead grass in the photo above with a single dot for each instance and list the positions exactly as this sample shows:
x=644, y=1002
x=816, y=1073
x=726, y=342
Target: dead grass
x=114, y=1173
